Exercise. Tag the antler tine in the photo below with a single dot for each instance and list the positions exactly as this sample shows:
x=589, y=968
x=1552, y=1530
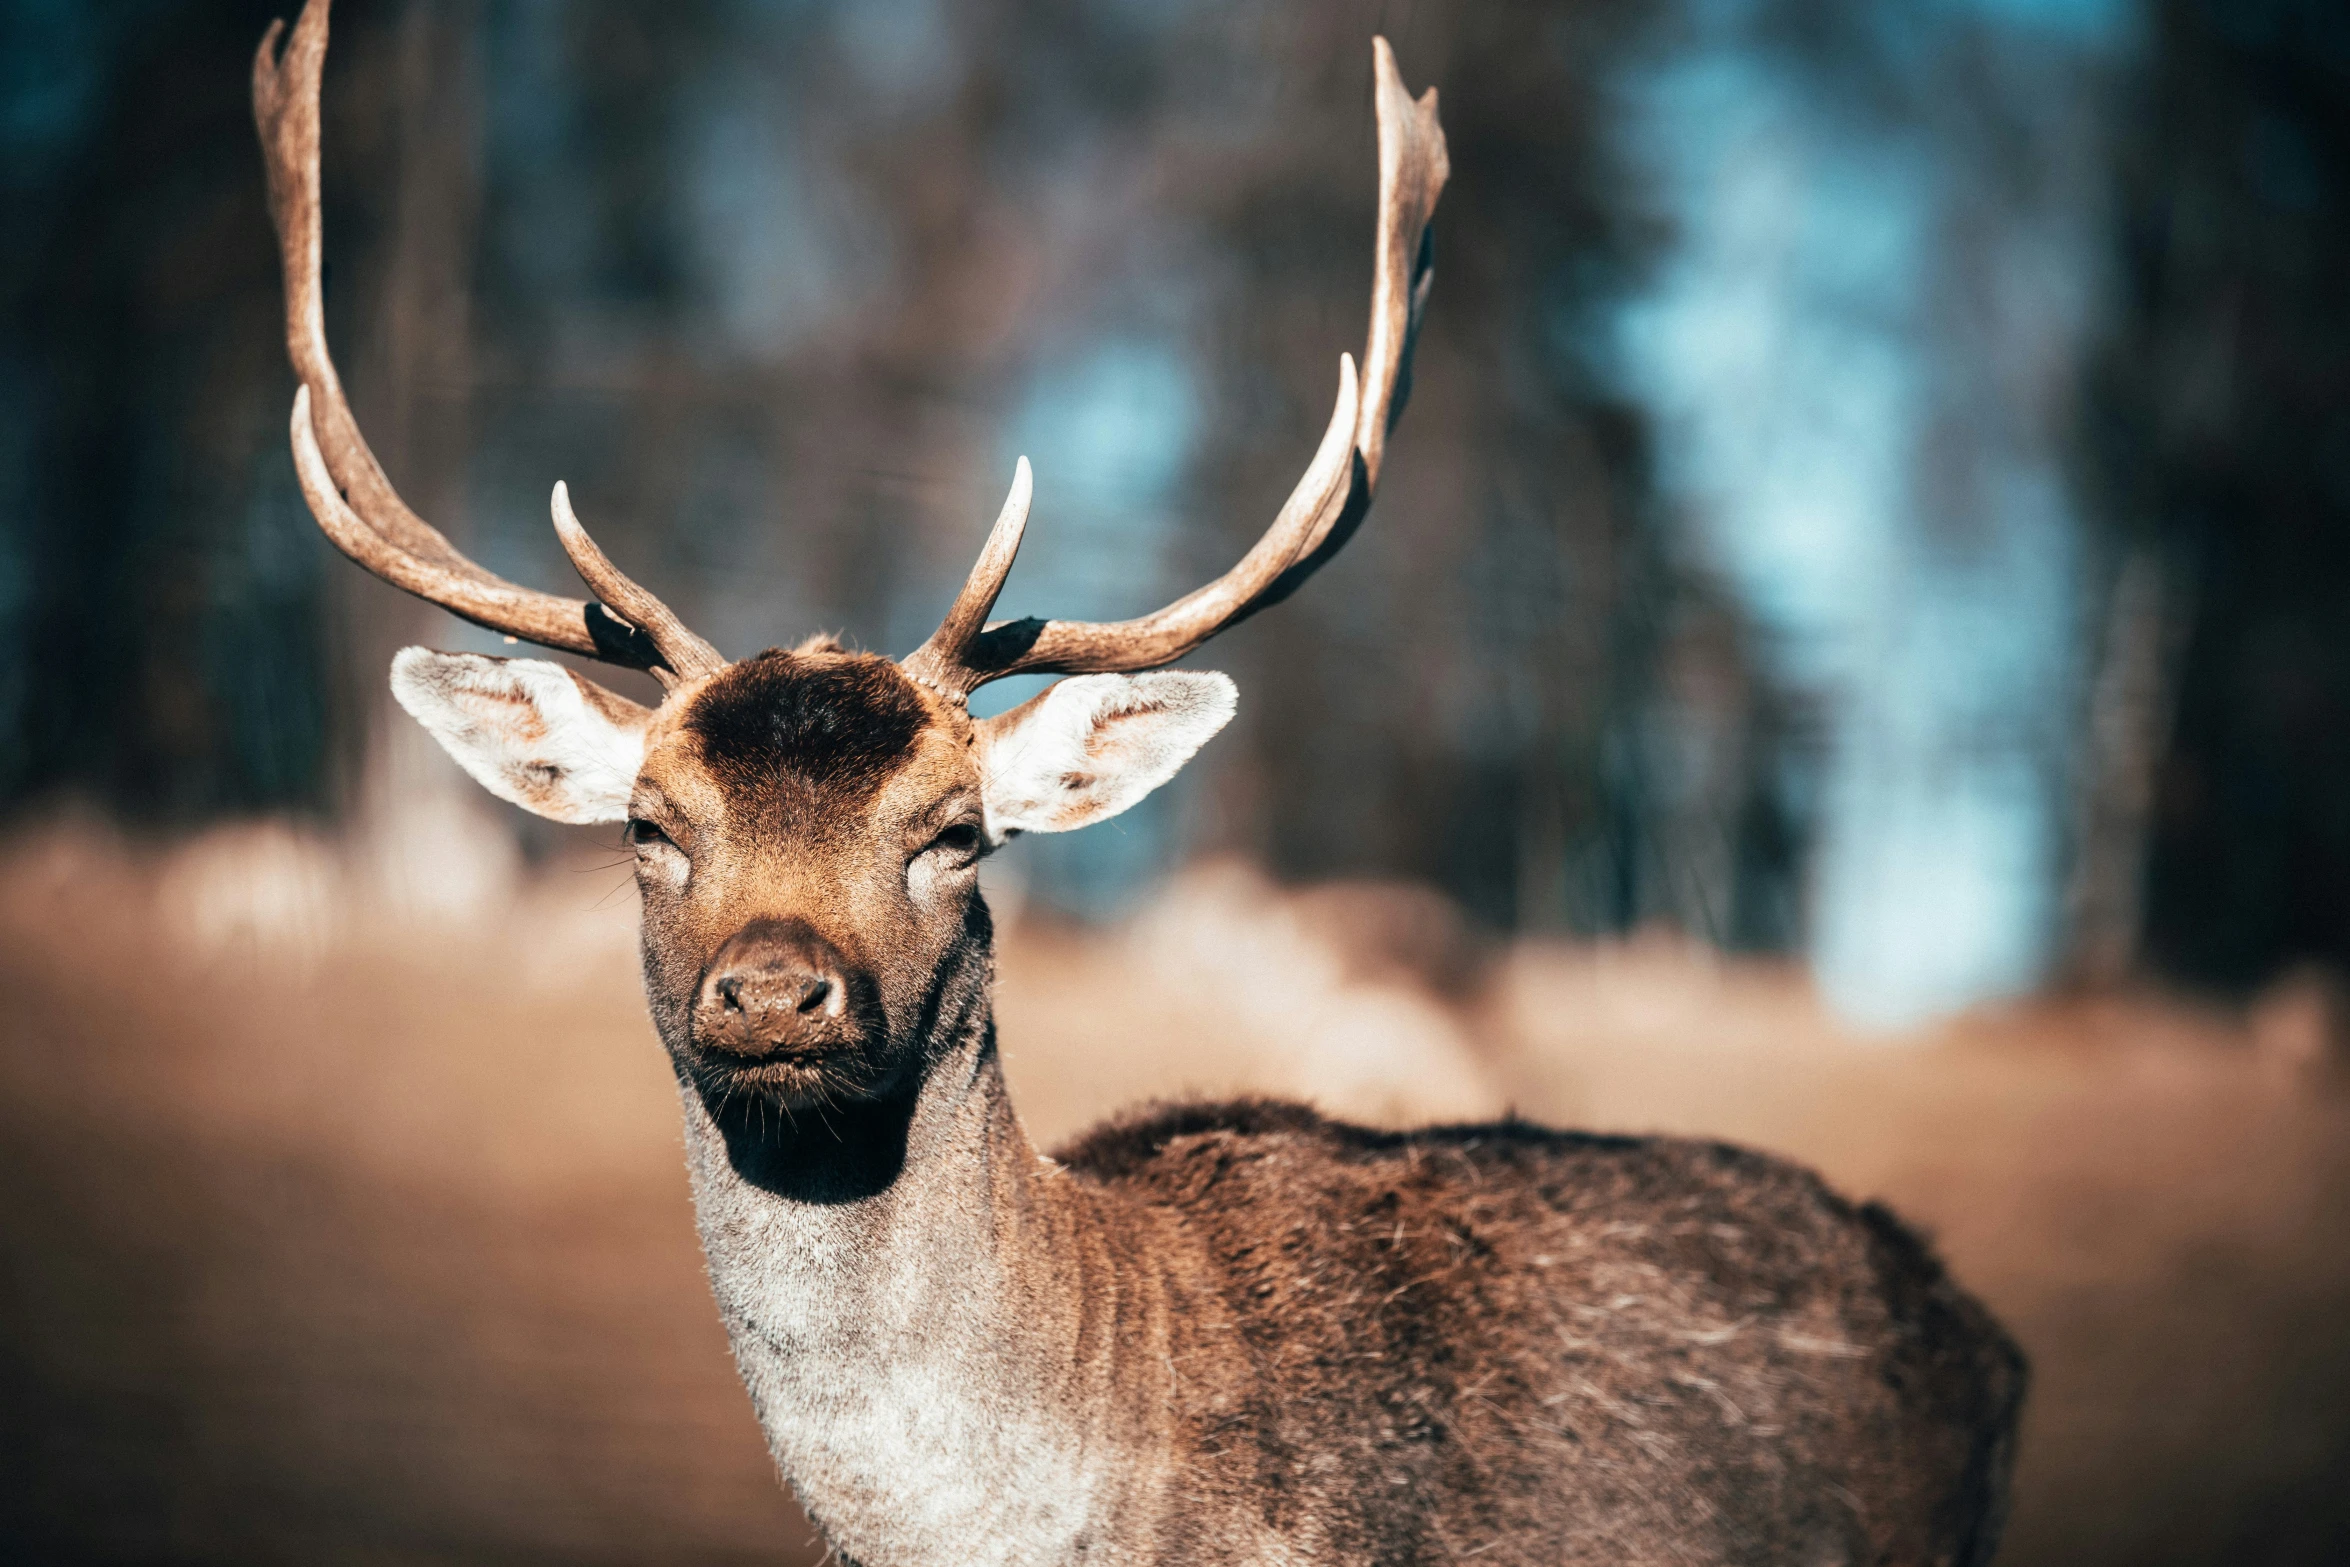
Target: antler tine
x=938, y=661
x=685, y=654
x=1330, y=500
x=348, y=492
x=497, y=604
x=1413, y=167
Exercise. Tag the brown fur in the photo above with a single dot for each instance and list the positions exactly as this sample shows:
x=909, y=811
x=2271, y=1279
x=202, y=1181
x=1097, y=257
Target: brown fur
x=798, y=783
x=1242, y=1332
x=1231, y=1333
x=1559, y=1347
x=827, y=726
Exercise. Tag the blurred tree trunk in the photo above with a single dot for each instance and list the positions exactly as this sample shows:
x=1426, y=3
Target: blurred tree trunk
x=2131, y=697
x=173, y=626
x=2222, y=443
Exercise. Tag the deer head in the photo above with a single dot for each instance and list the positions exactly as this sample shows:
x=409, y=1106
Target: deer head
x=807, y=823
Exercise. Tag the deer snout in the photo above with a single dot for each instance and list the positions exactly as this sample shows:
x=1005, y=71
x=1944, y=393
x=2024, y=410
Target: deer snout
x=775, y=988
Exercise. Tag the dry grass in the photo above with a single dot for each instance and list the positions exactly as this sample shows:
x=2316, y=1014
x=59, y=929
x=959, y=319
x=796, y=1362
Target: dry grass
x=337, y=1233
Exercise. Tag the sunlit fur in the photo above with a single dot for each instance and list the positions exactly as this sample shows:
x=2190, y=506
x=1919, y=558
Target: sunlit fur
x=801, y=786
x=1242, y=1333
x=1075, y=753
x=529, y=731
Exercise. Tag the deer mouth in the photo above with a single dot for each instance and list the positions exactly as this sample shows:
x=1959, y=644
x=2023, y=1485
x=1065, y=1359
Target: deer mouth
x=804, y=1077
x=792, y=1085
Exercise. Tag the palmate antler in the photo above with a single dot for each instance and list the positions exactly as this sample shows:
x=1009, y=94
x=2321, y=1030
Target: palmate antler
x=1320, y=515
x=343, y=482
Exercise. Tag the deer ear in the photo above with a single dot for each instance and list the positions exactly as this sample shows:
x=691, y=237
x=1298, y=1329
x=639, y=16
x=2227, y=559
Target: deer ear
x=1090, y=746
x=530, y=732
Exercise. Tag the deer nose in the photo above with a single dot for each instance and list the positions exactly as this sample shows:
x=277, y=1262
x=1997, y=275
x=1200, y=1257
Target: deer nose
x=776, y=987
x=772, y=991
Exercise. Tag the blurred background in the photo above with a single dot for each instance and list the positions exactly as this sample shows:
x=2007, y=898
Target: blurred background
x=1852, y=653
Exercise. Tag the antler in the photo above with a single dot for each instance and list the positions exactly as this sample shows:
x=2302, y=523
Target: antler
x=1320, y=515
x=348, y=493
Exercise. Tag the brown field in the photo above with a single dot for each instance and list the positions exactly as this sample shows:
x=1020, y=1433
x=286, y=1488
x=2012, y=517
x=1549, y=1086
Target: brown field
x=341, y=1228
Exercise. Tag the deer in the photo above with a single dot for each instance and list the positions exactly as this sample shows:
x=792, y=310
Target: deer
x=1202, y=1332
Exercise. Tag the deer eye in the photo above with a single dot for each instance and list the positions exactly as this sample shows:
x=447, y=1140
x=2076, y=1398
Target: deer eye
x=960, y=842
x=642, y=834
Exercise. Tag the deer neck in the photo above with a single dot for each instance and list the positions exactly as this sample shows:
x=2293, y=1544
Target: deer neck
x=913, y=1297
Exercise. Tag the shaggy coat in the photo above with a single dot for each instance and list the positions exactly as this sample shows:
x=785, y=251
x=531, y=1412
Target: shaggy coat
x=1243, y=1333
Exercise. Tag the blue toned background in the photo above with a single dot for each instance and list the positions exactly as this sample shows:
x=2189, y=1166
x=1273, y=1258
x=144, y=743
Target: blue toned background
x=1875, y=491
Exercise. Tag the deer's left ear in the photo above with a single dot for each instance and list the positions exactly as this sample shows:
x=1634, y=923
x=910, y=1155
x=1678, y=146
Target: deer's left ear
x=1090, y=746
x=529, y=731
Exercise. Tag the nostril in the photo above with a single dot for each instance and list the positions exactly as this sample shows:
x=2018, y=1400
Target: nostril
x=774, y=988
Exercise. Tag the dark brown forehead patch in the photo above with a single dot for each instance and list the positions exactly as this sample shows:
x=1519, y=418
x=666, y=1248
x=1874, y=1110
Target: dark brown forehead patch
x=838, y=724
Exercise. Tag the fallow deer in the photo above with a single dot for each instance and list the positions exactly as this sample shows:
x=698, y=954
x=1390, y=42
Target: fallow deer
x=1211, y=1333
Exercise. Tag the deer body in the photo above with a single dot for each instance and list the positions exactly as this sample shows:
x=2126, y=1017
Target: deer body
x=1224, y=1334
x=1240, y=1334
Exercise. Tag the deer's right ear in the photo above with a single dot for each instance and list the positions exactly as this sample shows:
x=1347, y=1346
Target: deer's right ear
x=529, y=731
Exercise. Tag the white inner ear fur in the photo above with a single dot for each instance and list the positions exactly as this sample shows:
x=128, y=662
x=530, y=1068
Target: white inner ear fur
x=1089, y=747
x=528, y=731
